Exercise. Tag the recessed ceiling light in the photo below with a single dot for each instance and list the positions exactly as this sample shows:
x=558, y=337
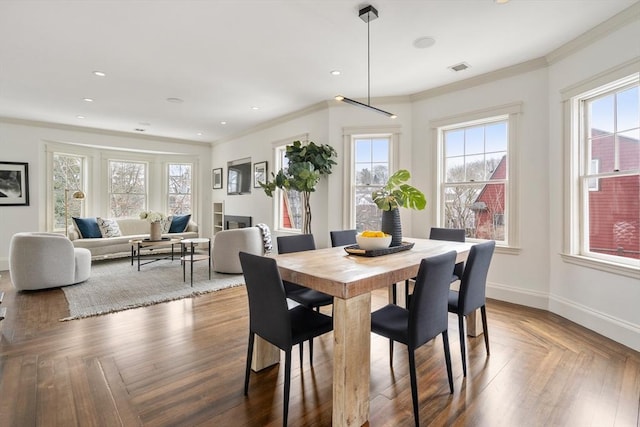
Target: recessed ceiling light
x=335, y=72
x=501, y=1
x=139, y=130
x=175, y=100
x=223, y=123
x=424, y=42
x=87, y=99
x=255, y=108
x=100, y=73
x=199, y=134
x=79, y=117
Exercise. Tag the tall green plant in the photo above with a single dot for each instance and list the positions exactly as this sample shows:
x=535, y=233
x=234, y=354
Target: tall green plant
x=307, y=164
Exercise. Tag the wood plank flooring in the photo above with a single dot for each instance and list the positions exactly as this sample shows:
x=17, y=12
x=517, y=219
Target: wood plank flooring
x=182, y=364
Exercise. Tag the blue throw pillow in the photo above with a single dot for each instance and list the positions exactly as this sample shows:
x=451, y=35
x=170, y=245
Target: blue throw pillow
x=179, y=223
x=88, y=228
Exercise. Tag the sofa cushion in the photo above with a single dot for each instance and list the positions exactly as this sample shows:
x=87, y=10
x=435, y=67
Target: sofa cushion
x=179, y=223
x=87, y=227
x=108, y=227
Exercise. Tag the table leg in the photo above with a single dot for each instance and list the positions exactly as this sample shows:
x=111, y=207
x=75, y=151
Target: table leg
x=474, y=323
x=138, y=256
x=265, y=354
x=351, y=360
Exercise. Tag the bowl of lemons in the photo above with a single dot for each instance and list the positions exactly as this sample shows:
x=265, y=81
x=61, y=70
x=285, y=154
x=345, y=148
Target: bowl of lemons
x=372, y=240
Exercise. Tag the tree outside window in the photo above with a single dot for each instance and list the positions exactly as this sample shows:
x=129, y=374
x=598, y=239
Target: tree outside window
x=290, y=205
x=179, y=188
x=474, y=185
x=371, y=166
x=68, y=173
x=127, y=188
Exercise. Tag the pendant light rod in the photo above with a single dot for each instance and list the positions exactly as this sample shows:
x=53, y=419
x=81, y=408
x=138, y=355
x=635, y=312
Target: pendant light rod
x=367, y=14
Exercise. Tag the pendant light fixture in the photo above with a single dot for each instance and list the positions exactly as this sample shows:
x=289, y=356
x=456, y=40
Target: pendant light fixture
x=367, y=14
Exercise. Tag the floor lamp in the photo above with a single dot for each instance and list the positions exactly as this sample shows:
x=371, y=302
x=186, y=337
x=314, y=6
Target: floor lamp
x=77, y=195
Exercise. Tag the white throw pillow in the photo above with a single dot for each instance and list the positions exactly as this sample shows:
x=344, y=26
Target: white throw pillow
x=108, y=227
x=165, y=224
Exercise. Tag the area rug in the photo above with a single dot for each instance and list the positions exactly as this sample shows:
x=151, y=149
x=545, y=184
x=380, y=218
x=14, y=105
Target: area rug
x=116, y=285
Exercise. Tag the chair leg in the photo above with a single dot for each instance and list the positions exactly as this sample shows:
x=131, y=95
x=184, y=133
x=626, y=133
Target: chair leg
x=462, y=345
x=310, y=352
x=287, y=386
x=447, y=358
x=414, y=386
x=483, y=311
x=301, y=354
x=394, y=294
x=390, y=352
x=247, y=371
x=406, y=294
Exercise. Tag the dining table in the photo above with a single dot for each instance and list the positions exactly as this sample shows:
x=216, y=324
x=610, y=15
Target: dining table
x=350, y=279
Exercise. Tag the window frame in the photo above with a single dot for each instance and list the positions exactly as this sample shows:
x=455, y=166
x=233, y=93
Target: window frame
x=109, y=182
x=578, y=175
x=279, y=148
x=510, y=113
x=168, y=194
x=51, y=192
x=349, y=134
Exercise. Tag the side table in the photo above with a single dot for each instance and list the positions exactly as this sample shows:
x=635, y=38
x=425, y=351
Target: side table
x=189, y=255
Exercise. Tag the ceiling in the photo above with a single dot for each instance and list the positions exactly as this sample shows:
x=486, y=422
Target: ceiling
x=223, y=57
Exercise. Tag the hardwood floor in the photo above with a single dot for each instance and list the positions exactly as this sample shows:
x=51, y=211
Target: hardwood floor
x=182, y=364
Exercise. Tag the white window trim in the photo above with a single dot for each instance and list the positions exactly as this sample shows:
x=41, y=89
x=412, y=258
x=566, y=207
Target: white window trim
x=571, y=251
x=511, y=112
x=278, y=194
x=349, y=134
x=194, y=182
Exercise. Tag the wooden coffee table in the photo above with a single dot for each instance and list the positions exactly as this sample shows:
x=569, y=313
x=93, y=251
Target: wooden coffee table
x=137, y=245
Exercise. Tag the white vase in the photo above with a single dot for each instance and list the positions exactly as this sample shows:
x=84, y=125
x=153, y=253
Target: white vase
x=155, y=231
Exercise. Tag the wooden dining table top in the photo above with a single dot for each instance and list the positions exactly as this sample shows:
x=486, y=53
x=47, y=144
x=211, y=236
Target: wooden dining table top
x=343, y=275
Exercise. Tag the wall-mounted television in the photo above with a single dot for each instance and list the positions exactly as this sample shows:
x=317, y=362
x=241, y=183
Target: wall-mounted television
x=239, y=176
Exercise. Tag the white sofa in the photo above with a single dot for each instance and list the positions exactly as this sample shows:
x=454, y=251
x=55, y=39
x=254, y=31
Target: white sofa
x=114, y=247
x=46, y=260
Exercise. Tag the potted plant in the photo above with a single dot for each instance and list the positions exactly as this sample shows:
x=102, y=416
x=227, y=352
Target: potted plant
x=307, y=164
x=397, y=193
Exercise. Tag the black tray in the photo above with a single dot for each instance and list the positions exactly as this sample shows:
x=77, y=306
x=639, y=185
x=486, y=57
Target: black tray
x=355, y=250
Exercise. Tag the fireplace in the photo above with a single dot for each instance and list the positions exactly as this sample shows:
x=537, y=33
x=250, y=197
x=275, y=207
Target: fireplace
x=235, y=221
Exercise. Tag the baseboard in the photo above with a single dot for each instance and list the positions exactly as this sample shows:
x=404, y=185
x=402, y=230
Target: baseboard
x=520, y=296
x=619, y=330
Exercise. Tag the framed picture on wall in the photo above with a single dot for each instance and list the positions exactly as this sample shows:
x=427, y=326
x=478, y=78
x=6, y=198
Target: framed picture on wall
x=216, y=178
x=14, y=184
x=259, y=174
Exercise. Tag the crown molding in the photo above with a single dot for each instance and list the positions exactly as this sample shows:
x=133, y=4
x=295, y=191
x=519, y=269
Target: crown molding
x=627, y=16
x=106, y=132
x=322, y=105
x=513, y=70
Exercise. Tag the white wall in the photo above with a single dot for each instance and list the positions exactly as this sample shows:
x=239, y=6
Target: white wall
x=25, y=142
x=604, y=302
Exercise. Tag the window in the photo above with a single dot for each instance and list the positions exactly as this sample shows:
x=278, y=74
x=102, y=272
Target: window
x=607, y=149
x=127, y=188
x=476, y=180
x=180, y=186
x=68, y=174
x=372, y=158
x=289, y=205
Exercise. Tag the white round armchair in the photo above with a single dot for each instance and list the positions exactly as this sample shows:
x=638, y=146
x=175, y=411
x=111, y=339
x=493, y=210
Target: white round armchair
x=46, y=260
x=228, y=244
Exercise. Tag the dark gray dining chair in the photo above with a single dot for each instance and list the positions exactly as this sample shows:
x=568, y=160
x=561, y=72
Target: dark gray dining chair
x=471, y=295
x=272, y=320
x=448, y=234
x=307, y=297
x=342, y=237
x=426, y=318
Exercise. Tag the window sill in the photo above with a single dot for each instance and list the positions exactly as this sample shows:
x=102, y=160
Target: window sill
x=609, y=267
x=508, y=250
